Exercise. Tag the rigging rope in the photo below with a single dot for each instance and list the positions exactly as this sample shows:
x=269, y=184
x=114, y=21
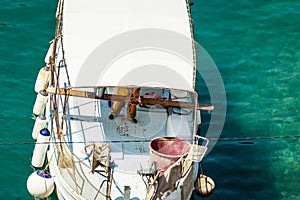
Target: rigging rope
x=191, y=22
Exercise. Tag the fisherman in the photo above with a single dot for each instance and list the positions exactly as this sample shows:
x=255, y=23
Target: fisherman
x=131, y=106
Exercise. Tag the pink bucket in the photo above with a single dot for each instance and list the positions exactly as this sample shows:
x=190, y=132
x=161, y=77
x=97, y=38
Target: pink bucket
x=167, y=150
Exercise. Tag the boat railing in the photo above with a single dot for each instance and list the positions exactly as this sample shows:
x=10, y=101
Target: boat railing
x=199, y=148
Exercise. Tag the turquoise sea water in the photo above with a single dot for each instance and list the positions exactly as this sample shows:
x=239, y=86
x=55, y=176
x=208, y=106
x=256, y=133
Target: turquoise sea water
x=255, y=45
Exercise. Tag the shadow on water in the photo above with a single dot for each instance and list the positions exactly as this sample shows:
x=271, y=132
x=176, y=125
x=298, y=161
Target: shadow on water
x=255, y=46
x=240, y=168
x=252, y=159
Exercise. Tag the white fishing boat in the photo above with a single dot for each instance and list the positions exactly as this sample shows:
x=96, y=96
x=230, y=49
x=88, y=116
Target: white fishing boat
x=117, y=113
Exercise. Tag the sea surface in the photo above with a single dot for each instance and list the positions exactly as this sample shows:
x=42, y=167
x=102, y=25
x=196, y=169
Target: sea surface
x=255, y=45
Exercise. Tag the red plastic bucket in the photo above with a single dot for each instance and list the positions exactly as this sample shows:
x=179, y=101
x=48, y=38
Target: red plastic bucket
x=167, y=150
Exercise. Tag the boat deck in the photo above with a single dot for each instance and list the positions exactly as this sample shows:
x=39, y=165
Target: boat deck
x=128, y=142
x=120, y=132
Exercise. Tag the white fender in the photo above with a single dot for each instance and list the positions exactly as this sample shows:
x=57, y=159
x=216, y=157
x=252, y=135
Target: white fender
x=39, y=124
x=42, y=79
x=40, y=103
x=40, y=149
x=40, y=184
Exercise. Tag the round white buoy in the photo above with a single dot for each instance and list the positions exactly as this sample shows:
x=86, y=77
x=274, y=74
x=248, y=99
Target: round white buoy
x=40, y=184
x=40, y=149
x=42, y=79
x=40, y=123
x=204, y=186
x=40, y=103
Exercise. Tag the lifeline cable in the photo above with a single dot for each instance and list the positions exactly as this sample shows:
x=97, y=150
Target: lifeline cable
x=130, y=141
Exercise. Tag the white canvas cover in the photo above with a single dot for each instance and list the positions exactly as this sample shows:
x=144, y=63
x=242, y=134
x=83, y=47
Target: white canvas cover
x=92, y=24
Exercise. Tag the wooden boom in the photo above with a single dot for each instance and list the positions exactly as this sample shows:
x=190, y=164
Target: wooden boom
x=114, y=97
